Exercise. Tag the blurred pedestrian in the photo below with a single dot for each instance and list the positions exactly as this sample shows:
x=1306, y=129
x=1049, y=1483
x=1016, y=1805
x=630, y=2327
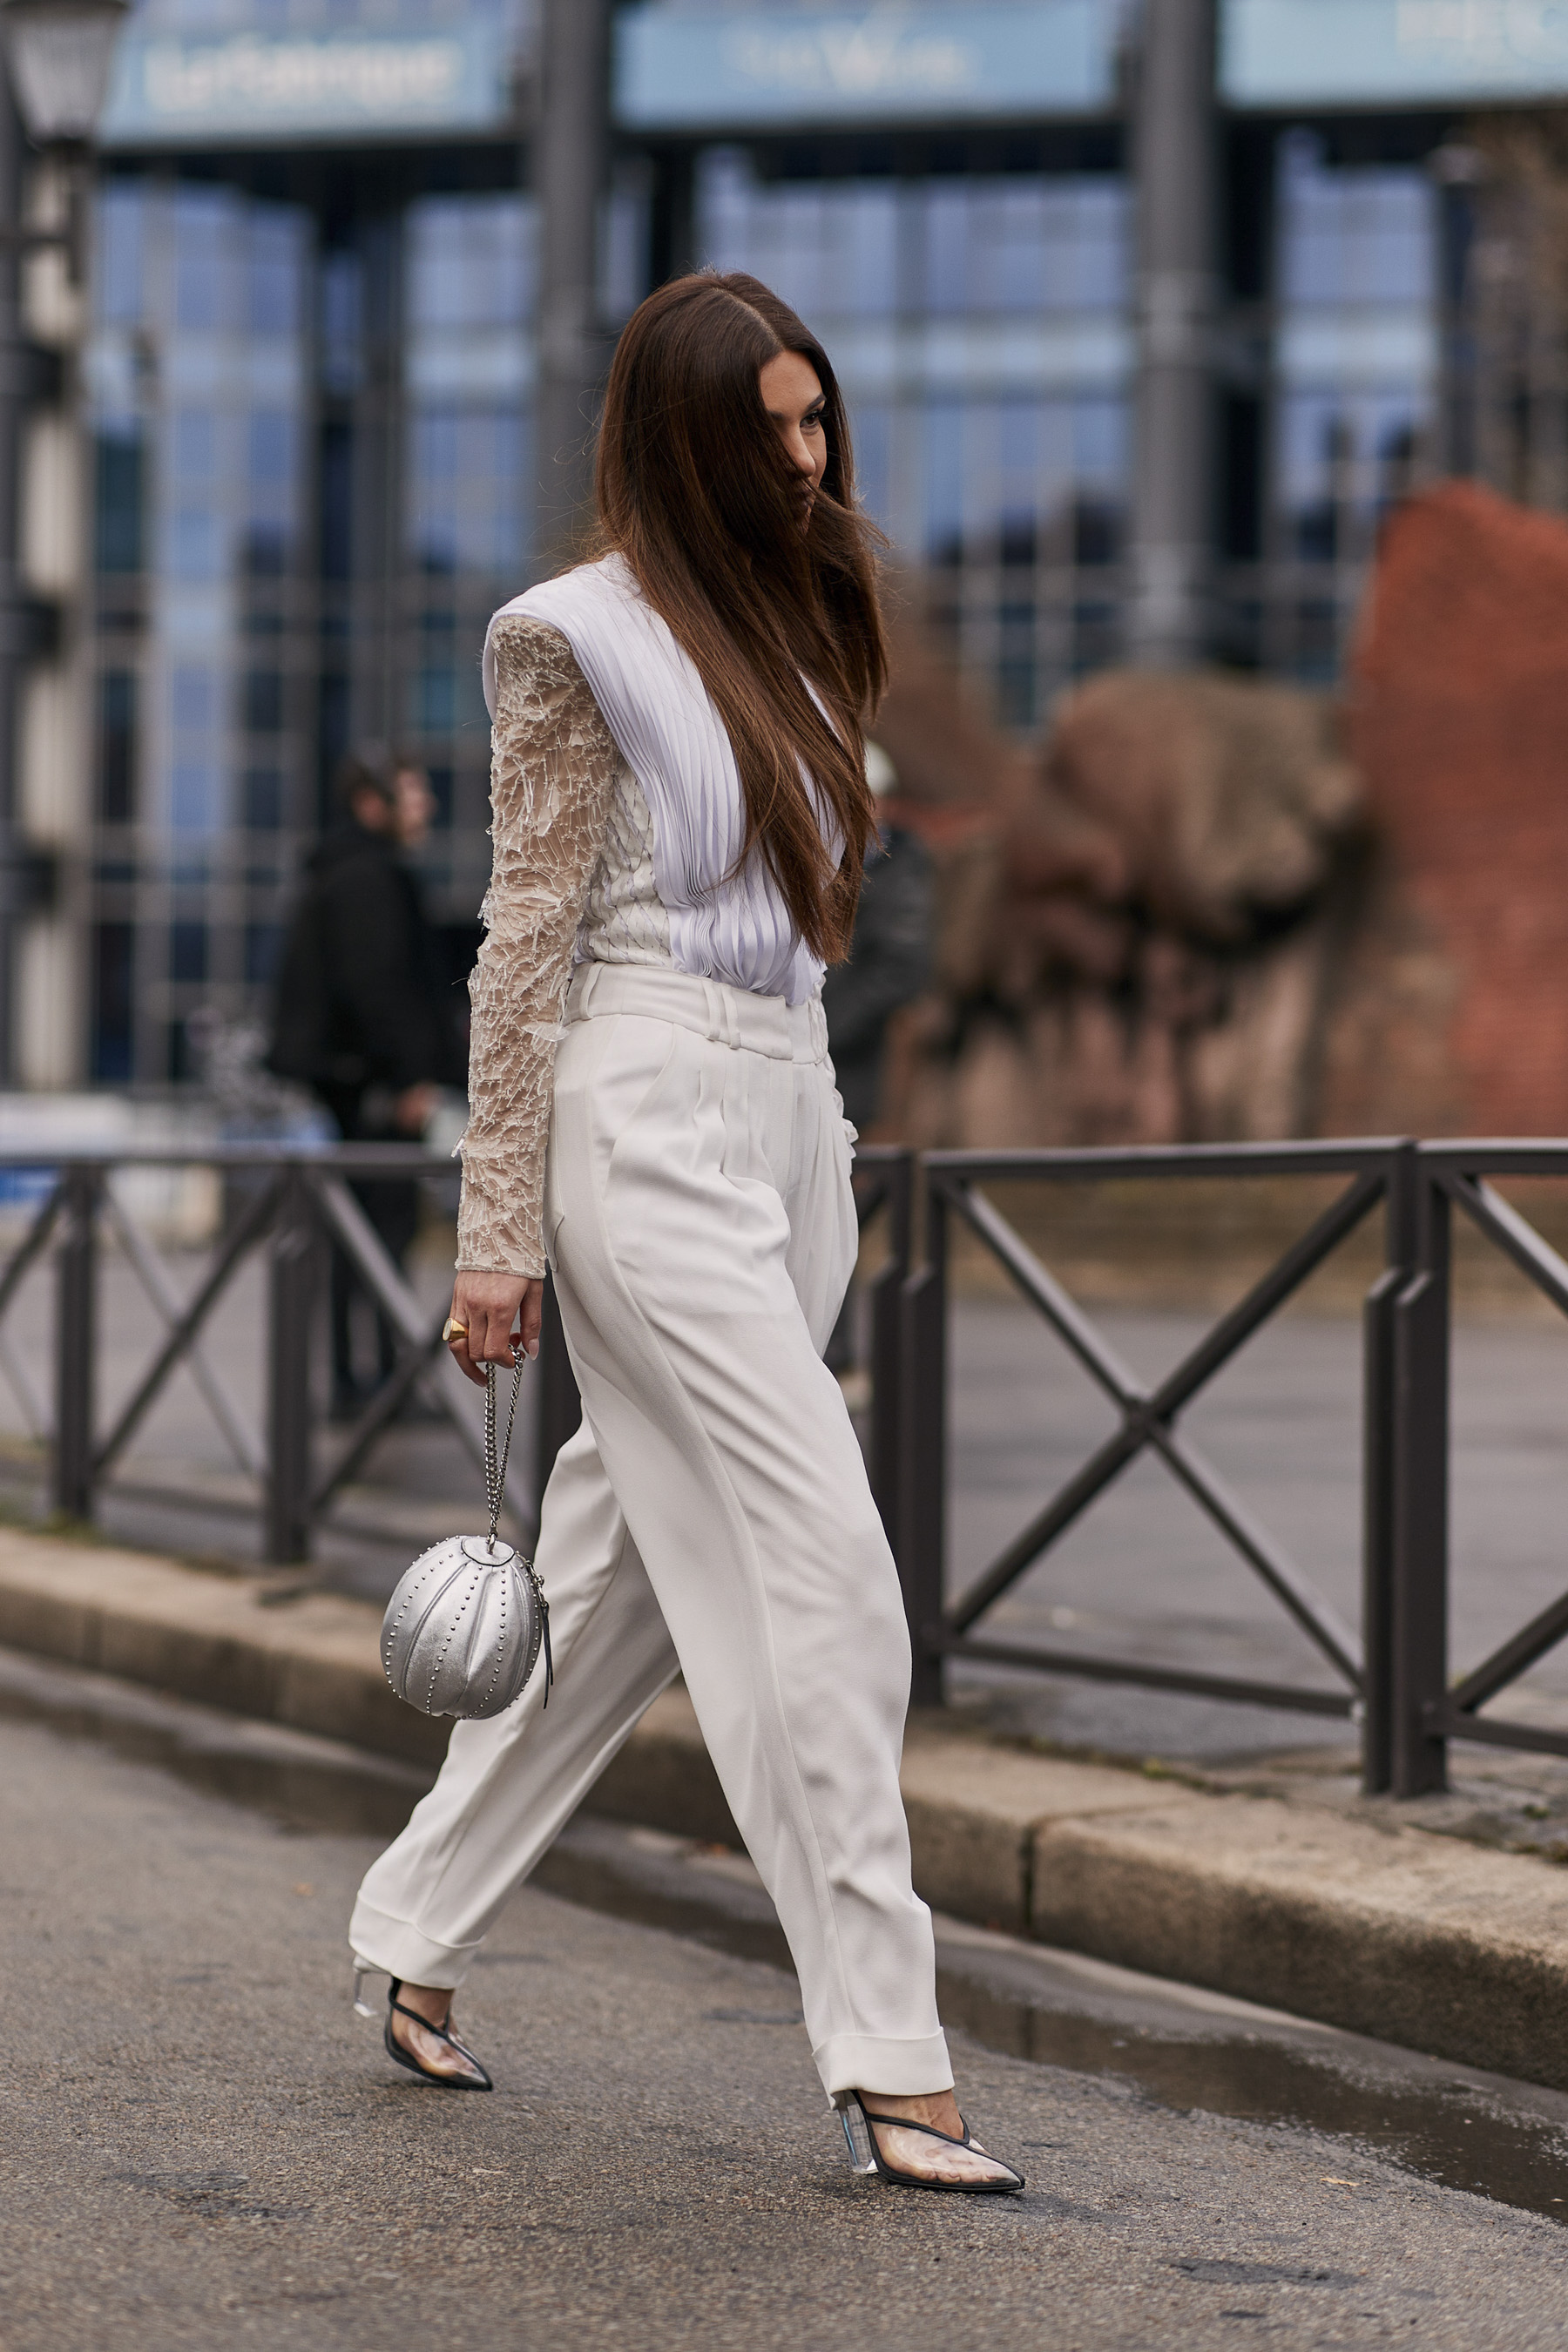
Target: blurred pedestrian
x=889, y=957
x=681, y=820
x=890, y=965
x=366, y=1016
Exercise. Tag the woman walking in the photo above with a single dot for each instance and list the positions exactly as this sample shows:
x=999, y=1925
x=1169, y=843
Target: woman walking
x=680, y=816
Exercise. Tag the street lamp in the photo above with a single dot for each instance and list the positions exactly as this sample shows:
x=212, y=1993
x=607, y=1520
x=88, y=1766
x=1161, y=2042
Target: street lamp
x=60, y=53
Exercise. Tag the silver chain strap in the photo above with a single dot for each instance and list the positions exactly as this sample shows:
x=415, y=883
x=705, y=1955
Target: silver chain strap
x=495, y=1473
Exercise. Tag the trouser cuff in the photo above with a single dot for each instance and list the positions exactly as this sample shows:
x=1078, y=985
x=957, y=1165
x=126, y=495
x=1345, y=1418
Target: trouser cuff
x=868, y=2061
x=403, y=1950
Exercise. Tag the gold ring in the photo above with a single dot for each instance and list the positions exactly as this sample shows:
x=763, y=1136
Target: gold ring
x=450, y=1330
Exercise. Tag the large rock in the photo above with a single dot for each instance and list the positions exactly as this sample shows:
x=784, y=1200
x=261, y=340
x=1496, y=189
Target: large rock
x=1227, y=797
x=1136, y=938
x=1453, y=1011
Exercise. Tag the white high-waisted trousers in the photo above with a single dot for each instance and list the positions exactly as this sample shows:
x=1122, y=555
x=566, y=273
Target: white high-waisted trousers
x=713, y=1514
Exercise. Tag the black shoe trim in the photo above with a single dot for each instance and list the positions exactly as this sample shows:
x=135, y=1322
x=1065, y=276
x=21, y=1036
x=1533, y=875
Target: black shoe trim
x=886, y=2171
x=402, y=2057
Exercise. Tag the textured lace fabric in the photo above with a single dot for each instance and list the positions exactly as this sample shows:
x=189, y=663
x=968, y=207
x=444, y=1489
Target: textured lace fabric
x=572, y=875
x=626, y=921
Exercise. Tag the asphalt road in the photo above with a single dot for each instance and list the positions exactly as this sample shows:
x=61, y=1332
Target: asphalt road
x=202, y=2147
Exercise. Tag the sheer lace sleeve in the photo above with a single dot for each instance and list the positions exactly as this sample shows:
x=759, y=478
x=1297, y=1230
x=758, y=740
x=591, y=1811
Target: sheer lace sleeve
x=554, y=763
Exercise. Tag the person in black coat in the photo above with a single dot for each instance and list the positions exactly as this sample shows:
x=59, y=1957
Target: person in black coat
x=365, y=1013
x=890, y=965
x=890, y=959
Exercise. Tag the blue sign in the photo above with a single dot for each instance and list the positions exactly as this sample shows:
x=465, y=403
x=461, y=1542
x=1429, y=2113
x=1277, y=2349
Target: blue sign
x=1397, y=52
x=689, y=65
x=255, y=90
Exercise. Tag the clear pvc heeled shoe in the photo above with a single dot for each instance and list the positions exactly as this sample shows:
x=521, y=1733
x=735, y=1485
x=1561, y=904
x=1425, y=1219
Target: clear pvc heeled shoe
x=470, y=2076
x=866, y=2155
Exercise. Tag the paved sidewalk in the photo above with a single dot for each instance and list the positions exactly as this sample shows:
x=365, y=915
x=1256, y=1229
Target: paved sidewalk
x=1357, y=1916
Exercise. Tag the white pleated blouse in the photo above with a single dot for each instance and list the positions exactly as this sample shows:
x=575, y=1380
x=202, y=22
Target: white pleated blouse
x=617, y=824
x=724, y=924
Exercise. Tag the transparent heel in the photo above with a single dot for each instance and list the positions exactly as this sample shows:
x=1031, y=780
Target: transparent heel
x=362, y=2006
x=857, y=2136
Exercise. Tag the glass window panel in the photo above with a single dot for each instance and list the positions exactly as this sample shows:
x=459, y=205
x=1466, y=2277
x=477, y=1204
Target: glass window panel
x=1353, y=236
x=195, y=796
x=871, y=429
x=1101, y=245
x=1022, y=250
x=188, y=951
x=1019, y=453
x=193, y=697
x=119, y=259
x=467, y=489
x=119, y=503
x=1101, y=442
x=472, y=261
x=205, y=263
x=1022, y=246
x=1343, y=459
x=263, y=947
x=944, y=504
x=869, y=248
x=277, y=271
x=117, y=747
x=623, y=252
x=947, y=214
x=195, y=544
x=194, y=443
x=273, y=440
x=343, y=320
x=113, y=967
x=263, y=702
x=263, y=799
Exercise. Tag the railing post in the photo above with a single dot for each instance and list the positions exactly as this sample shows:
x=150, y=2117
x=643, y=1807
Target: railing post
x=922, y=1508
x=887, y=1317
x=75, y=1342
x=1418, y=1583
x=1400, y=1251
x=1377, y=1530
x=292, y=1284
x=560, y=1407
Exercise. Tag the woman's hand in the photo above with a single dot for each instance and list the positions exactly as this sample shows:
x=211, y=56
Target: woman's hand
x=492, y=1307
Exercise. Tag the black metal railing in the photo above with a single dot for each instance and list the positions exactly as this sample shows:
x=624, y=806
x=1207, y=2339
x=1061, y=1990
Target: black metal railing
x=1433, y=1708
x=1392, y=1678
x=294, y=1205
x=291, y=1204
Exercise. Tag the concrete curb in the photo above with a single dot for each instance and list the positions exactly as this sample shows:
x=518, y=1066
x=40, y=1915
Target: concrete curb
x=1389, y=1930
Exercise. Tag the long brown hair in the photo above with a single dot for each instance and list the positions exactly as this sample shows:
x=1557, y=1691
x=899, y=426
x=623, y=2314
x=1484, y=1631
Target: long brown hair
x=696, y=492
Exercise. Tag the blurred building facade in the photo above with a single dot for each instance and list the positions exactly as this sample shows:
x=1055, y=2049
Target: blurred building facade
x=311, y=370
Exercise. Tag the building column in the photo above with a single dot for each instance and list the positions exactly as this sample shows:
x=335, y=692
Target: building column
x=572, y=151
x=17, y=891
x=1173, y=130
x=53, y=733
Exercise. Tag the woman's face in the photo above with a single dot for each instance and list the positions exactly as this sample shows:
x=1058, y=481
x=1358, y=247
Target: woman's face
x=793, y=400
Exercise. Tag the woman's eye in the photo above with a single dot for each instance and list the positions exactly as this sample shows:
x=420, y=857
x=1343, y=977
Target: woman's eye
x=811, y=423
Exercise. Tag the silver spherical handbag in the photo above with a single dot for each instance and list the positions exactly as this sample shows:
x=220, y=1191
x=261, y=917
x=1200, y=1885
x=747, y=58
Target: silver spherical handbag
x=463, y=1631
